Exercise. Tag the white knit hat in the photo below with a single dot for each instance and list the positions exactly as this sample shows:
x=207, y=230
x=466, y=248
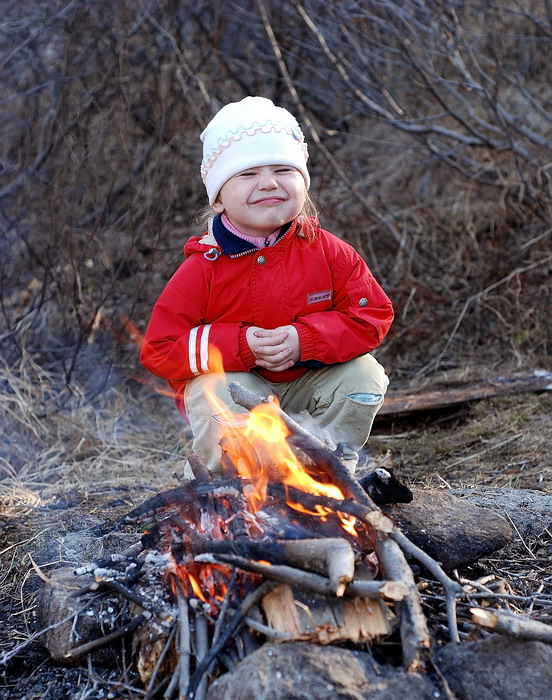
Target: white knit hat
x=248, y=134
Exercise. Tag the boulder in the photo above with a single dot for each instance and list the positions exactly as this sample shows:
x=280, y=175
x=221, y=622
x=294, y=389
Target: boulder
x=303, y=671
x=452, y=530
x=497, y=668
x=528, y=509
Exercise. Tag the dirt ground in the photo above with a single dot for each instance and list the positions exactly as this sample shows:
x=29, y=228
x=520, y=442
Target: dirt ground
x=109, y=457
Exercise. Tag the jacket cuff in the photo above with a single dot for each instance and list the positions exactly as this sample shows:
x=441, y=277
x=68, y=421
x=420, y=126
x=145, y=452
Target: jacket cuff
x=306, y=341
x=245, y=353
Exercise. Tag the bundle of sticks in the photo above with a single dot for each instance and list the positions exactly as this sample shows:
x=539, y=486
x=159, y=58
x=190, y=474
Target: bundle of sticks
x=230, y=574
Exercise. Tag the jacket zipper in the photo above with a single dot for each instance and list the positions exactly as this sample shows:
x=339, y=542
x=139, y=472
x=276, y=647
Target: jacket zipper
x=252, y=250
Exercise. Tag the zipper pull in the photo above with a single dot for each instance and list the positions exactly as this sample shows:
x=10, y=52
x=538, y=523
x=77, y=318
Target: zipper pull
x=212, y=254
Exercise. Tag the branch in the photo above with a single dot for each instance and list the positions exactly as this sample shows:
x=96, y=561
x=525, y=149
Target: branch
x=511, y=625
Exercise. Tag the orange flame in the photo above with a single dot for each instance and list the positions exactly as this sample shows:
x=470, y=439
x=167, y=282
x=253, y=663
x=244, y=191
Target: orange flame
x=258, y=449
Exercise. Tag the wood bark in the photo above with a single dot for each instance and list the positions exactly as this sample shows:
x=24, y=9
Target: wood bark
x=512, y=625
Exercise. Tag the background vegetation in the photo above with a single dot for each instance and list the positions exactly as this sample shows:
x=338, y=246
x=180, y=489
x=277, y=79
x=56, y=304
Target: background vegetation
x=430, y=132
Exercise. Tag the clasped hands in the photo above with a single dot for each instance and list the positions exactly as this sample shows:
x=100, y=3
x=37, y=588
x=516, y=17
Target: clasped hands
x=277, y=349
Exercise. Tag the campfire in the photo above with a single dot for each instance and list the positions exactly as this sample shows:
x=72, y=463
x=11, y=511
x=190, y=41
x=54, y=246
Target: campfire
x=286, y=545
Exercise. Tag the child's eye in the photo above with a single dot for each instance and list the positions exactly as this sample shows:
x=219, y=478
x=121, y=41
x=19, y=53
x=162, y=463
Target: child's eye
x=284, y=170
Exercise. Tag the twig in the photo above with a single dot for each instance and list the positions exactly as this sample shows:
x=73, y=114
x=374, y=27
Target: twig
x=452, y=588
x=184, y=644
x=266, y=630
x=201, y=648
x=84, y=649
x=9, y=655
x=415, y=637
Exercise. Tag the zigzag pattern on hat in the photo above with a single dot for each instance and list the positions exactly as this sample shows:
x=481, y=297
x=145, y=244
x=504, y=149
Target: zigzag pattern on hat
x=251, y=130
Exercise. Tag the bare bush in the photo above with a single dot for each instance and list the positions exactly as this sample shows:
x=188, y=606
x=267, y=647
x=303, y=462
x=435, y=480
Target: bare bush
x=431, y=140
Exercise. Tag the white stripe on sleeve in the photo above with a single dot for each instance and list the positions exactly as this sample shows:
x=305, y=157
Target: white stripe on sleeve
x=204, y=348
x=192, y=350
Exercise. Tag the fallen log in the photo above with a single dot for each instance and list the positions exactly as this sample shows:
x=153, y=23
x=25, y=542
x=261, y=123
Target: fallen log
x=404, y=401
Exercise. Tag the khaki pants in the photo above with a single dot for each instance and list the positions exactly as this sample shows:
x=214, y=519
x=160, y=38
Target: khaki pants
x=342, y=398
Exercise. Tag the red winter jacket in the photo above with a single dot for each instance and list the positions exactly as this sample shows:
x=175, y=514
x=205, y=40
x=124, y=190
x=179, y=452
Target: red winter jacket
x=322, y=287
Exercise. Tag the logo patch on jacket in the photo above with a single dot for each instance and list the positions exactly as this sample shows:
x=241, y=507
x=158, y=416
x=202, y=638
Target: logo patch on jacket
x=315, y=297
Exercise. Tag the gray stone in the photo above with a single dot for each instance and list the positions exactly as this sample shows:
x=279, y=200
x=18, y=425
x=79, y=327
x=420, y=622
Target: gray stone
x=71, y=621
x=302, y=671
x=452, y=530
x=529, y=510
x=498, y=668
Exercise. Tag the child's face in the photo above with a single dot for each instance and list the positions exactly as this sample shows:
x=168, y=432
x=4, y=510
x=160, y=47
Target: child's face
x=260, y=200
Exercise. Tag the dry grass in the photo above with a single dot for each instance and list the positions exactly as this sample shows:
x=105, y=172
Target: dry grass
x=497, y=442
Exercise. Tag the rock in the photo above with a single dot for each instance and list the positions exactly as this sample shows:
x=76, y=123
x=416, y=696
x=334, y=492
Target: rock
x=497, y=668
x=452, y=530
x=74, y=621
x=302, y=671
x=530, y=511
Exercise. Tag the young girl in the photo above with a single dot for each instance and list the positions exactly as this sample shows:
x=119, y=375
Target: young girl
x=293, y=310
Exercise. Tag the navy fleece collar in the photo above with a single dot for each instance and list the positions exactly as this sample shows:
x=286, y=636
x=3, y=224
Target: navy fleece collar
x=233, y=245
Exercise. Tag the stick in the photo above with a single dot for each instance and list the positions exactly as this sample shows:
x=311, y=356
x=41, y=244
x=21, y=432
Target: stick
x=199, y=470
x=108, y=639
x=373, y=517
x=202, y=646
x=390, y=590
x=415, y=637
x=328, y=556
x=511, y=625
x=203, y=667
x=267, y=631
x=452, y=588
x=184, y=646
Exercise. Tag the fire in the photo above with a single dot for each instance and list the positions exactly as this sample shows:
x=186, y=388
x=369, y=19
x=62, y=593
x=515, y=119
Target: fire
x=257, y=446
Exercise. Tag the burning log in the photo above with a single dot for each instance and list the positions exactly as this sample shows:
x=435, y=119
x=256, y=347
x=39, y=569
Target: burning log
x=333, y=557
x=326, y=460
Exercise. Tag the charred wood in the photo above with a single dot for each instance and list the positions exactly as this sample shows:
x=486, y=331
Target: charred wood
x=199, y=470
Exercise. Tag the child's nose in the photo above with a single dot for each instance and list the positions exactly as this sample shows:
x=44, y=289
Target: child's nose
x=267, y=181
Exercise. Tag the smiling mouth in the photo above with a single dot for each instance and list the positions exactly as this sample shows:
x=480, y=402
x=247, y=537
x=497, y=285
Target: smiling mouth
x=269, y=200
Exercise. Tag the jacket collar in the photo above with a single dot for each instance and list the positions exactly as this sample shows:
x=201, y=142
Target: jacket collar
x=233, y=245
